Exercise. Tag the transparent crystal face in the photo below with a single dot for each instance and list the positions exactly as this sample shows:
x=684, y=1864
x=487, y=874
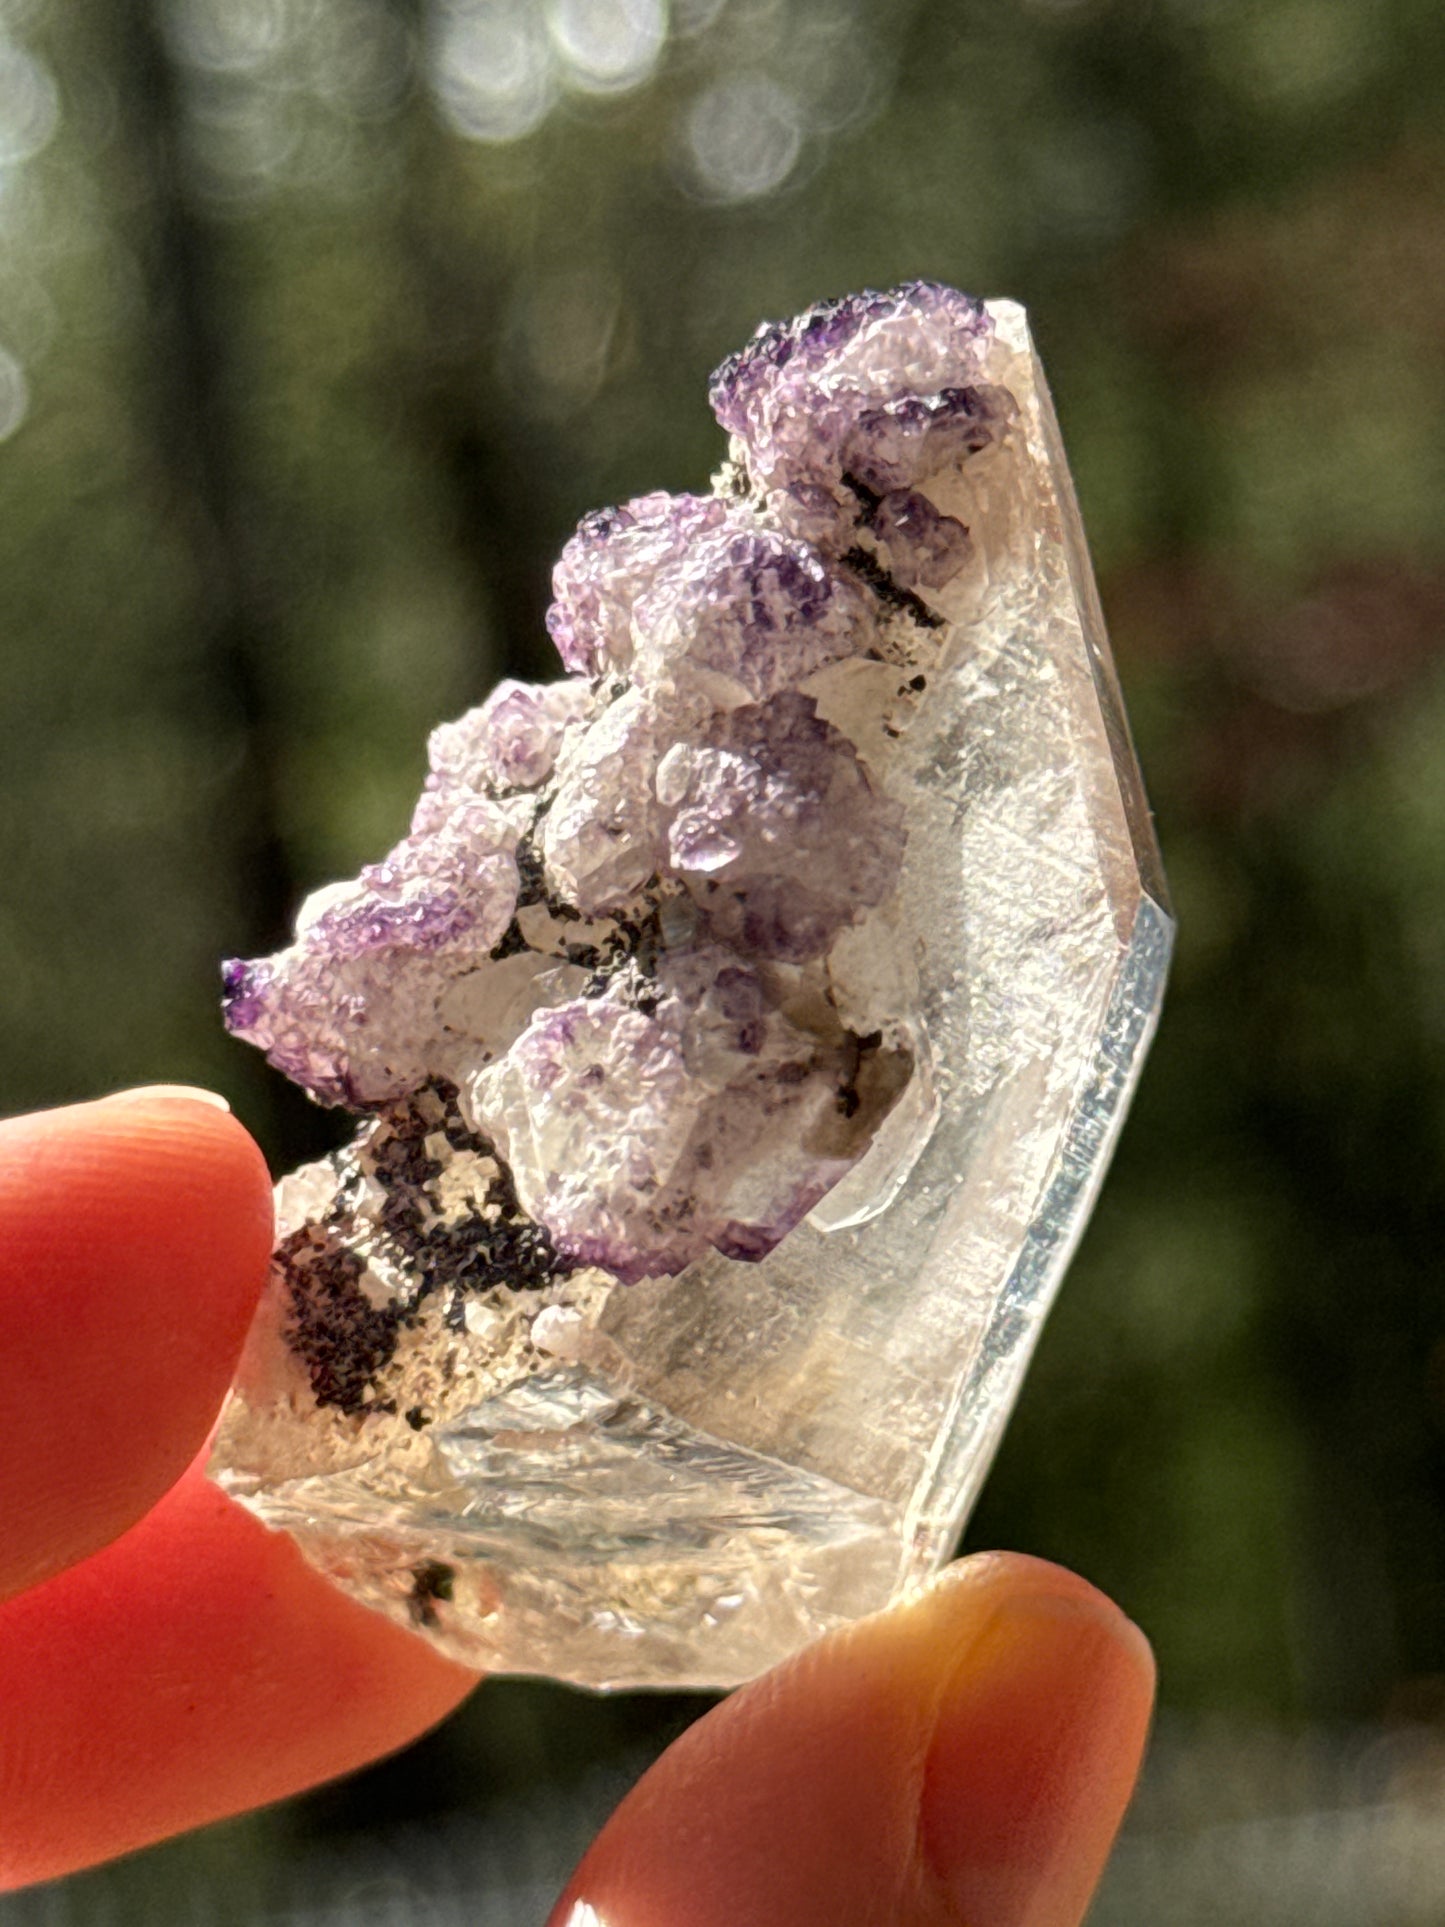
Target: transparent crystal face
x=679, y=1480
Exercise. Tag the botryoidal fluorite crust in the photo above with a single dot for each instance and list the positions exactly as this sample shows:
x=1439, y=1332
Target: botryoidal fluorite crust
x=739, y=1036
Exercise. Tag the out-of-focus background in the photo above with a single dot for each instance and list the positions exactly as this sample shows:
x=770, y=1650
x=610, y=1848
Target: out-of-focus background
x=321, y=321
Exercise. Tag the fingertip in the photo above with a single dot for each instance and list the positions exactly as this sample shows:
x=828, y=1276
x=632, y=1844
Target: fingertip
x=162, y=1093
x=134, y=1239
x=997, y=1578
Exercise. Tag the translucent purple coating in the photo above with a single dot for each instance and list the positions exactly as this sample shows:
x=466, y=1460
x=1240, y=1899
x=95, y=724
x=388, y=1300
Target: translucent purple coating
x=764, y=812
x=778, y=831
x=604, y=835
x=511, y=741
x=923, y=548
x=761, y=610
x=613, y=926
x=897, y=442
x=861, y=398
x=912, y=340
x=342, y=1012
x=421, y=921
x=612, y=558
x=642, y=1136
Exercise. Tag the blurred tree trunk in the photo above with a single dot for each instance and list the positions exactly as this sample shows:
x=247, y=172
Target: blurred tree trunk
x=490, y=451
x=191, y=383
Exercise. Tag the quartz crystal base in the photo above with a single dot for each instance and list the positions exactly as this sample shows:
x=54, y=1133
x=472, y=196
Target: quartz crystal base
x=594, y=1465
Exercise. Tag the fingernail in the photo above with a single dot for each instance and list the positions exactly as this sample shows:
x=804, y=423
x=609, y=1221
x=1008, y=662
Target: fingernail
x=1034, y=1754
x=147, y=1093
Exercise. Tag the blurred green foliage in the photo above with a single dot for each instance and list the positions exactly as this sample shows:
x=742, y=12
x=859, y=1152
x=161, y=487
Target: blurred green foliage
x=321, y=321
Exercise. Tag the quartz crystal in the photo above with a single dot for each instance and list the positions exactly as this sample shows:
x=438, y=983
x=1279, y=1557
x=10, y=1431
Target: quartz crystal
x=739, y=1036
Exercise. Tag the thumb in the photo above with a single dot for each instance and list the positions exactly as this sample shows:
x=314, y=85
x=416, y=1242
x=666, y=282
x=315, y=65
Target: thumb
x=964, y=1758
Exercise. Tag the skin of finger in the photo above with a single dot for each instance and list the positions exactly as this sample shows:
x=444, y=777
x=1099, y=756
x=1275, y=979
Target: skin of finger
x=195, y=1668
x=960, y=1761
x=134, y=1237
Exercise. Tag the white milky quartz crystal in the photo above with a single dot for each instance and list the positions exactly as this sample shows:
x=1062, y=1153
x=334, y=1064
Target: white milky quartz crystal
x=740, y=1036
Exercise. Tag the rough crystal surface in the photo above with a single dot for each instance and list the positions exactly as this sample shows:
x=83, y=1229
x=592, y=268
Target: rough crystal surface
x=739, y=1036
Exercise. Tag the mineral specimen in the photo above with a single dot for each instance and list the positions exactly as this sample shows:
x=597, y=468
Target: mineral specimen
x=739, y=1035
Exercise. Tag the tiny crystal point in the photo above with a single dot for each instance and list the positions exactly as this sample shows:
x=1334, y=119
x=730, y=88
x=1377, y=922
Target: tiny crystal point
x=738, y=1036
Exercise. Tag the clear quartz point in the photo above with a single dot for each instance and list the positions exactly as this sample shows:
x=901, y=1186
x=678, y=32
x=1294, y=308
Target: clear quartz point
x=740, y=1038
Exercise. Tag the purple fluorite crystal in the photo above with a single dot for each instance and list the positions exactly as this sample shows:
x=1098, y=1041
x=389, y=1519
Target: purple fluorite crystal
x=613, y=557
x=511, y=742
x=749, y=608
x=673, y=1113
x=838, y=415
x=611, y=937
x=777, y=830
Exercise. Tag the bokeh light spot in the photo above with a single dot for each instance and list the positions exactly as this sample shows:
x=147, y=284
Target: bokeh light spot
x=492, y=69
x=607, y=46
x=694, y=16
x=14, y=395
x=228, y=36
x=29, y=105
x=243, y=143
x=562, y=335
x=1307, y=53
x=744, y=135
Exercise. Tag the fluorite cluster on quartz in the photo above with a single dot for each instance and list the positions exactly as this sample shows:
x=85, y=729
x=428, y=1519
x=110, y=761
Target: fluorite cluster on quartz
x=738, y=1034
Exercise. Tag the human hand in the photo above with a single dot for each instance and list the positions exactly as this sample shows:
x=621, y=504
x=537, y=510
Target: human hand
x=166, y=1661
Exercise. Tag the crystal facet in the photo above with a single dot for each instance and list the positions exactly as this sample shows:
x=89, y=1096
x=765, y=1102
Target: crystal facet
x=740, y=1035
